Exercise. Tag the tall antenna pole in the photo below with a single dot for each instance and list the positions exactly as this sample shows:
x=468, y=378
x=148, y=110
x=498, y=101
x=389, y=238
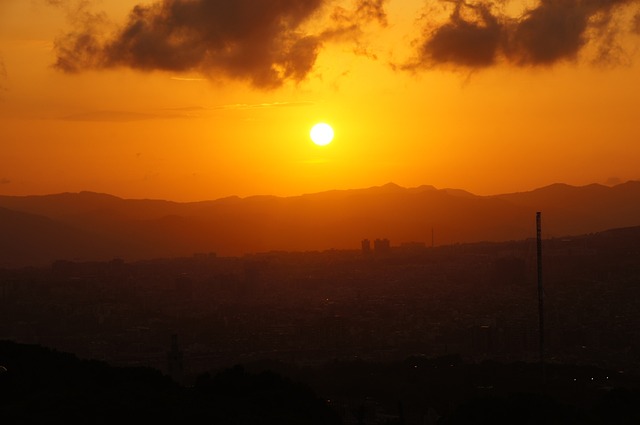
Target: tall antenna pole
x=540, y=288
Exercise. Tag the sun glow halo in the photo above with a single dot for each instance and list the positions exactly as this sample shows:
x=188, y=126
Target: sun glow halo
x=321, y=134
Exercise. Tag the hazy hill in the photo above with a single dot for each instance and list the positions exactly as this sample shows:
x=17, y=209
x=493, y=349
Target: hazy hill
x=28, y=239
x=576, y=210
x=37, y=229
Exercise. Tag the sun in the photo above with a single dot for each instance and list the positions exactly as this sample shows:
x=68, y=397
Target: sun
x=321, y=134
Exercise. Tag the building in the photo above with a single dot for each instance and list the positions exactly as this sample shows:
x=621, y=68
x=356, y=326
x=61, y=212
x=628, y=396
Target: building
x=366, y=246
x=382, y=246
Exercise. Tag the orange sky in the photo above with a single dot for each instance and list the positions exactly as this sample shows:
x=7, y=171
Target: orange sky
x=208, y=100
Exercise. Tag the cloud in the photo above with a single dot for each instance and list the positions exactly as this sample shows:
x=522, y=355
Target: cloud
x=372, y=10
x=635, y=26
x=129, y=116
x=481, y=34
x=265, y=105
x=363, y=11
x=465, y=42
x=110, y=116
x=5, y=180
x=349, y=24
x=189, y=79
x=263, y=42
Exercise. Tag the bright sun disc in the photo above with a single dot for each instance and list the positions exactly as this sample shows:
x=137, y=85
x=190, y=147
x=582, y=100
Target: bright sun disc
x=322, y=134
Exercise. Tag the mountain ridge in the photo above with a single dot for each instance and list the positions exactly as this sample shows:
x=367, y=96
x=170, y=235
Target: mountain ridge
x=91, y=225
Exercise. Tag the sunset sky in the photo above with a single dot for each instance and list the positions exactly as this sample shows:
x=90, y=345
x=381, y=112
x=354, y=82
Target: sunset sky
x=200, y=99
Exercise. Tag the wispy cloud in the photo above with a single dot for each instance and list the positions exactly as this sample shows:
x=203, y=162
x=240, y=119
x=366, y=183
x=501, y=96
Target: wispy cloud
x=114, y=116
x=183, y=112
x=124, y=116
x=5, y=180
x=188, y=109
x=188, y=79
x=264, y=105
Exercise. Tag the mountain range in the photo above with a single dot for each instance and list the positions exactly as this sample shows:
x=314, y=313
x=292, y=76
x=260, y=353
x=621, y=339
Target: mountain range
x=36, y=230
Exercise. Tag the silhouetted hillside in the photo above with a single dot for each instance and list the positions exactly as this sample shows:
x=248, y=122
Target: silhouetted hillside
x=28, y=239
x=446, y=390
x=570, y=210
x=139, y=229
x=38, y=385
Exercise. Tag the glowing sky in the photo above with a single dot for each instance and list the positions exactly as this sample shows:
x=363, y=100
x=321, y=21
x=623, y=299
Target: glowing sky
x=200, y=99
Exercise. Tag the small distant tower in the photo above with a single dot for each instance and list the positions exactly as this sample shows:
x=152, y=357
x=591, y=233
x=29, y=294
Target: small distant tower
x=366, y=246
x=175, y=365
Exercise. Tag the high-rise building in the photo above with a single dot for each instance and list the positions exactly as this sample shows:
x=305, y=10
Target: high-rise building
x=366, y=246
x=382, y=246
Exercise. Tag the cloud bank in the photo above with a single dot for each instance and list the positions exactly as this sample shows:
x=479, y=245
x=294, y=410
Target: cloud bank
x=263, y=42
x=480, y=34
x=269, y=42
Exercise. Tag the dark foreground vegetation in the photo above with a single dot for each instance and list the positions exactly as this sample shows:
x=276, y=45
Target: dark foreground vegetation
x=39, y=385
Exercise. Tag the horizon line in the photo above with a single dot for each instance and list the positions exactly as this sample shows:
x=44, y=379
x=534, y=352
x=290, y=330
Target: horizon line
x=388, y=184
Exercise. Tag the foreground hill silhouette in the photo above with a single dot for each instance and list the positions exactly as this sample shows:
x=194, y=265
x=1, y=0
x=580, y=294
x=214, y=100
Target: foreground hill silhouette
x=88, y=226
x=38, y=385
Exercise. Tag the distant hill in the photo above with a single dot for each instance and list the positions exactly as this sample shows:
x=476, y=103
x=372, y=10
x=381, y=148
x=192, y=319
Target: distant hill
x=88, y=226
x=570, y=210
x=29, y=239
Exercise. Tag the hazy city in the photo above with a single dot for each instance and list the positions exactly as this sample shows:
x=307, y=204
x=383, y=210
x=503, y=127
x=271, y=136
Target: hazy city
x=307, y=314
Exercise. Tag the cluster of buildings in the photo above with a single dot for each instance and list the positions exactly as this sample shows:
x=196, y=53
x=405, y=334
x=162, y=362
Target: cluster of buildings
x=188, y=315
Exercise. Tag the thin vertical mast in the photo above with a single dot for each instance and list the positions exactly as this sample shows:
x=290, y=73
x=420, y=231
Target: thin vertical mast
x=540, y=288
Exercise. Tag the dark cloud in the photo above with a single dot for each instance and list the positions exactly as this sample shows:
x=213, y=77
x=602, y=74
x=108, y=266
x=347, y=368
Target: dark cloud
x=346, y=22
x=635, y=26
x=464, y=42
x=258, y=41
x=479, y=34
x=80, y=48
x=255, y=40
x=371, y=10
x=555, y=30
